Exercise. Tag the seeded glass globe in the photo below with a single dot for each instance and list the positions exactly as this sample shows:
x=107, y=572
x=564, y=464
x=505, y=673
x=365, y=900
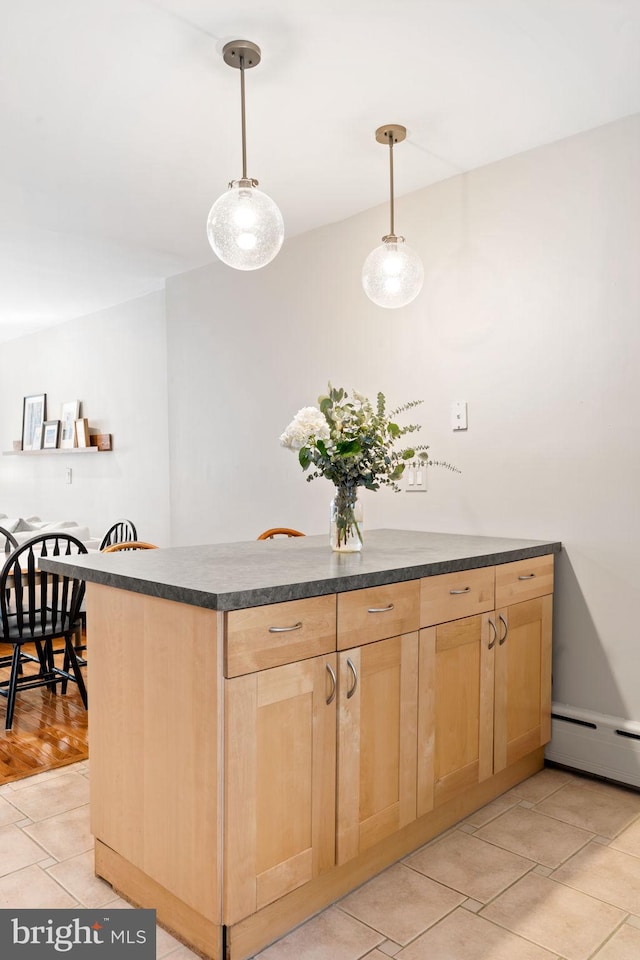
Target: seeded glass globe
x=392, y=275
x=245, y=227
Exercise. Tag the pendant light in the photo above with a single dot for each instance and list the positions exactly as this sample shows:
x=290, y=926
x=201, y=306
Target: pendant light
x=392, y=275
x=245, y=227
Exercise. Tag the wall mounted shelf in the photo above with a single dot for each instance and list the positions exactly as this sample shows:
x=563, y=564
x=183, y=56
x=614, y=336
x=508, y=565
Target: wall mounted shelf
x=53, y=450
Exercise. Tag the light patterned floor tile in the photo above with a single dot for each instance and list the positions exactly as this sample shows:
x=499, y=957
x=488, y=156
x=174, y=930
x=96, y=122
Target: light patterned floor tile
x=31, y=888
x=400, y=903
x=77, y=876
x=491, y=810
x=604, y=873
x=51, y=796
x=598, y=808
x=532, y=835
x=474, y=867
x=9, y=813
x=65, y=835
x=17, y=850
x=465, y=936
x=182, y=953
x=623, y=945
x=629, y=840
x=389, y=948
x=540, y=785
x=332, y=935
x=563, y=920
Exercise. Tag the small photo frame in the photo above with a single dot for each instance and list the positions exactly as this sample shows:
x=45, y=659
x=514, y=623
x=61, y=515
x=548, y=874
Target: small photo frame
x=82, y=432
x=33, y=414
x=50, y=434
x=70, y=413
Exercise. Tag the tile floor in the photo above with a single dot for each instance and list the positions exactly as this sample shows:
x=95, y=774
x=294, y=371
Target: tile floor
x=548, y=871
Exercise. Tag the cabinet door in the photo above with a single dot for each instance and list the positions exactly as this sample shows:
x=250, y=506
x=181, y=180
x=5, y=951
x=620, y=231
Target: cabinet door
x=377, y=720
x=280, y=758
x=455, y=709
x=523, y=680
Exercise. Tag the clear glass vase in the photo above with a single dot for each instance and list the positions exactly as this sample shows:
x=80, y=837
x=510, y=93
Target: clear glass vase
x=345, y=530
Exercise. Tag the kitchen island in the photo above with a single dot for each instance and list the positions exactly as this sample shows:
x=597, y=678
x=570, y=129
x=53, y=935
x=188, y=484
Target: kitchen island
x=271, y=723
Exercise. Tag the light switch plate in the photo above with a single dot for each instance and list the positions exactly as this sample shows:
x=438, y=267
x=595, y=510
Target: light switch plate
x=415, y=477
x=459, y=415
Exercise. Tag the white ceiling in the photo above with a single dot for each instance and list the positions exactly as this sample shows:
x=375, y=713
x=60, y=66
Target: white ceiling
x=121, y=123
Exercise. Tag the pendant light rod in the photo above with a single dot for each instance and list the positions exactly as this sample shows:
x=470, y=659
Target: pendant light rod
x=244, y=120
x=242, y=54
x=391, y=133
x=391, y=209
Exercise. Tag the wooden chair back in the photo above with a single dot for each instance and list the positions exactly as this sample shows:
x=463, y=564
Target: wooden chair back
x=279, y=532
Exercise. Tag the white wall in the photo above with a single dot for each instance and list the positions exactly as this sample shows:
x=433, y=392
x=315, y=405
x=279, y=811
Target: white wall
x=530, y=313
x=114, y=362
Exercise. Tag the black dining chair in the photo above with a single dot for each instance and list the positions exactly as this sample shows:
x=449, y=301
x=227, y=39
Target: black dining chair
x=43, y=607
x=10, y=542
x=119, y=532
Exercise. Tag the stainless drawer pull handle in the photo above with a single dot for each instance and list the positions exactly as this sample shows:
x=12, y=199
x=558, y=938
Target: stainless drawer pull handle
x=380, y=609
x=527, y=576
x=455, y=593
x=351, y=692
x=332, y=695
x=495, y=635
x=296, y=626
x=506, y=630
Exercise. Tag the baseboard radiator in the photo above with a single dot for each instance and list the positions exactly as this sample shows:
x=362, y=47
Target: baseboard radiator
x=596, y=743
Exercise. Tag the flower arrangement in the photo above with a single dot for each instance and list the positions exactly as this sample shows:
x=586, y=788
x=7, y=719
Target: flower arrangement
x=353, y=444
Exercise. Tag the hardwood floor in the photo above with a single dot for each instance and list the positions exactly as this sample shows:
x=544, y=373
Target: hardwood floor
x=49, y=730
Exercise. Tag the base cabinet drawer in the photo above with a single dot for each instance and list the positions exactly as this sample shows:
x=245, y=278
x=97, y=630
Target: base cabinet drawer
x=452, y=596
x=524, y=580
x=377, y=613
x=262, y=637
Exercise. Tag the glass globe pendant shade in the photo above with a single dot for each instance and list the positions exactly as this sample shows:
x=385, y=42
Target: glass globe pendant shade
x=392, y=275
x=245, y=227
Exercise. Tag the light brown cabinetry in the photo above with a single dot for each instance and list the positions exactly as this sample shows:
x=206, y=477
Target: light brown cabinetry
x=485, y=680
x=377, y=723
x=280, y=747
x=313, y=742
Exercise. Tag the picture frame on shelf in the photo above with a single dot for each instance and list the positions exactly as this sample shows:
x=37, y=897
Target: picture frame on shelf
x=69, y=415
x=50, y=434
x=82, y=432
x=33, y=414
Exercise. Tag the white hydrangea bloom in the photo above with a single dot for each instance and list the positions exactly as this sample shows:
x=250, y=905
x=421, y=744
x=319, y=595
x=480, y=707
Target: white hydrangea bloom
x=308, y=422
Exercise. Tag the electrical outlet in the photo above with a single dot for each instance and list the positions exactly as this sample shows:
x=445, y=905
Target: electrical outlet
x=415, y=477
x=69, y=476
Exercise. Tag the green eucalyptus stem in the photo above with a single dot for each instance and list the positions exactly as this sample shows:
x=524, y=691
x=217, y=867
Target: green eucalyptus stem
x=345, y=521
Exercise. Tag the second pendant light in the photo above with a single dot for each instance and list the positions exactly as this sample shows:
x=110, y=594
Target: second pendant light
x=392, y=275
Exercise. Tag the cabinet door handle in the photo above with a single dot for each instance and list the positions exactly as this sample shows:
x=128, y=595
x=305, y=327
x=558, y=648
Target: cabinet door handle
x=332, y=695
x=454, y=593
x=527, y=576
x=351, y=692
x=506, y=629
x=380, y=609
x=495, y=634
x=296, y=626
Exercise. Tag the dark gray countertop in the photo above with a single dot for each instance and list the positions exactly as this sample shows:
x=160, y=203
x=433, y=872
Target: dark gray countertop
x=231, y=576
